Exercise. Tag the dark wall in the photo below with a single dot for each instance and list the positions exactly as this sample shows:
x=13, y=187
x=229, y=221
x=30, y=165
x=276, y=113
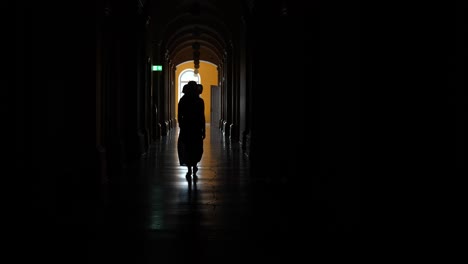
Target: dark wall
x=340, y=113
x=55, y=141
x=306, y=110
x=278, y=99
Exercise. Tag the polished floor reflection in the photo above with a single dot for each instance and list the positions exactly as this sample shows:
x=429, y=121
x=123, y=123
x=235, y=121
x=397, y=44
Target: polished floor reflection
x=156, y=214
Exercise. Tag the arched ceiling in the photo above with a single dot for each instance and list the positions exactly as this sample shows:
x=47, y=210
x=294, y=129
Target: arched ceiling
x=208, y=22
x=212, y=44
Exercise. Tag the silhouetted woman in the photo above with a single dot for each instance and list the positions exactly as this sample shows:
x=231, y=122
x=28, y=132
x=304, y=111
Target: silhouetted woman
x=191, y=118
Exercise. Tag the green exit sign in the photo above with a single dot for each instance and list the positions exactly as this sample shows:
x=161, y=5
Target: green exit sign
x=157, y=67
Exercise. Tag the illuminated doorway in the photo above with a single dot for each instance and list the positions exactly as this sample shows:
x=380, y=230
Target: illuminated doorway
x=184, y=77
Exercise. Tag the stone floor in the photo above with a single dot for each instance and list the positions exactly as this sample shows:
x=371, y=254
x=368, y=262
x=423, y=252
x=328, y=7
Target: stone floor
x=154, y=214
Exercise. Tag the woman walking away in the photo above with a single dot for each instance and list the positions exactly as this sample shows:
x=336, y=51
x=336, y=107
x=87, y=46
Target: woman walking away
x=191, y=119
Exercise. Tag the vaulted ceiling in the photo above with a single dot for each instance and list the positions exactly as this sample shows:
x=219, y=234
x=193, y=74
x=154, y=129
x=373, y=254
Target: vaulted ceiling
x=181, y=23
